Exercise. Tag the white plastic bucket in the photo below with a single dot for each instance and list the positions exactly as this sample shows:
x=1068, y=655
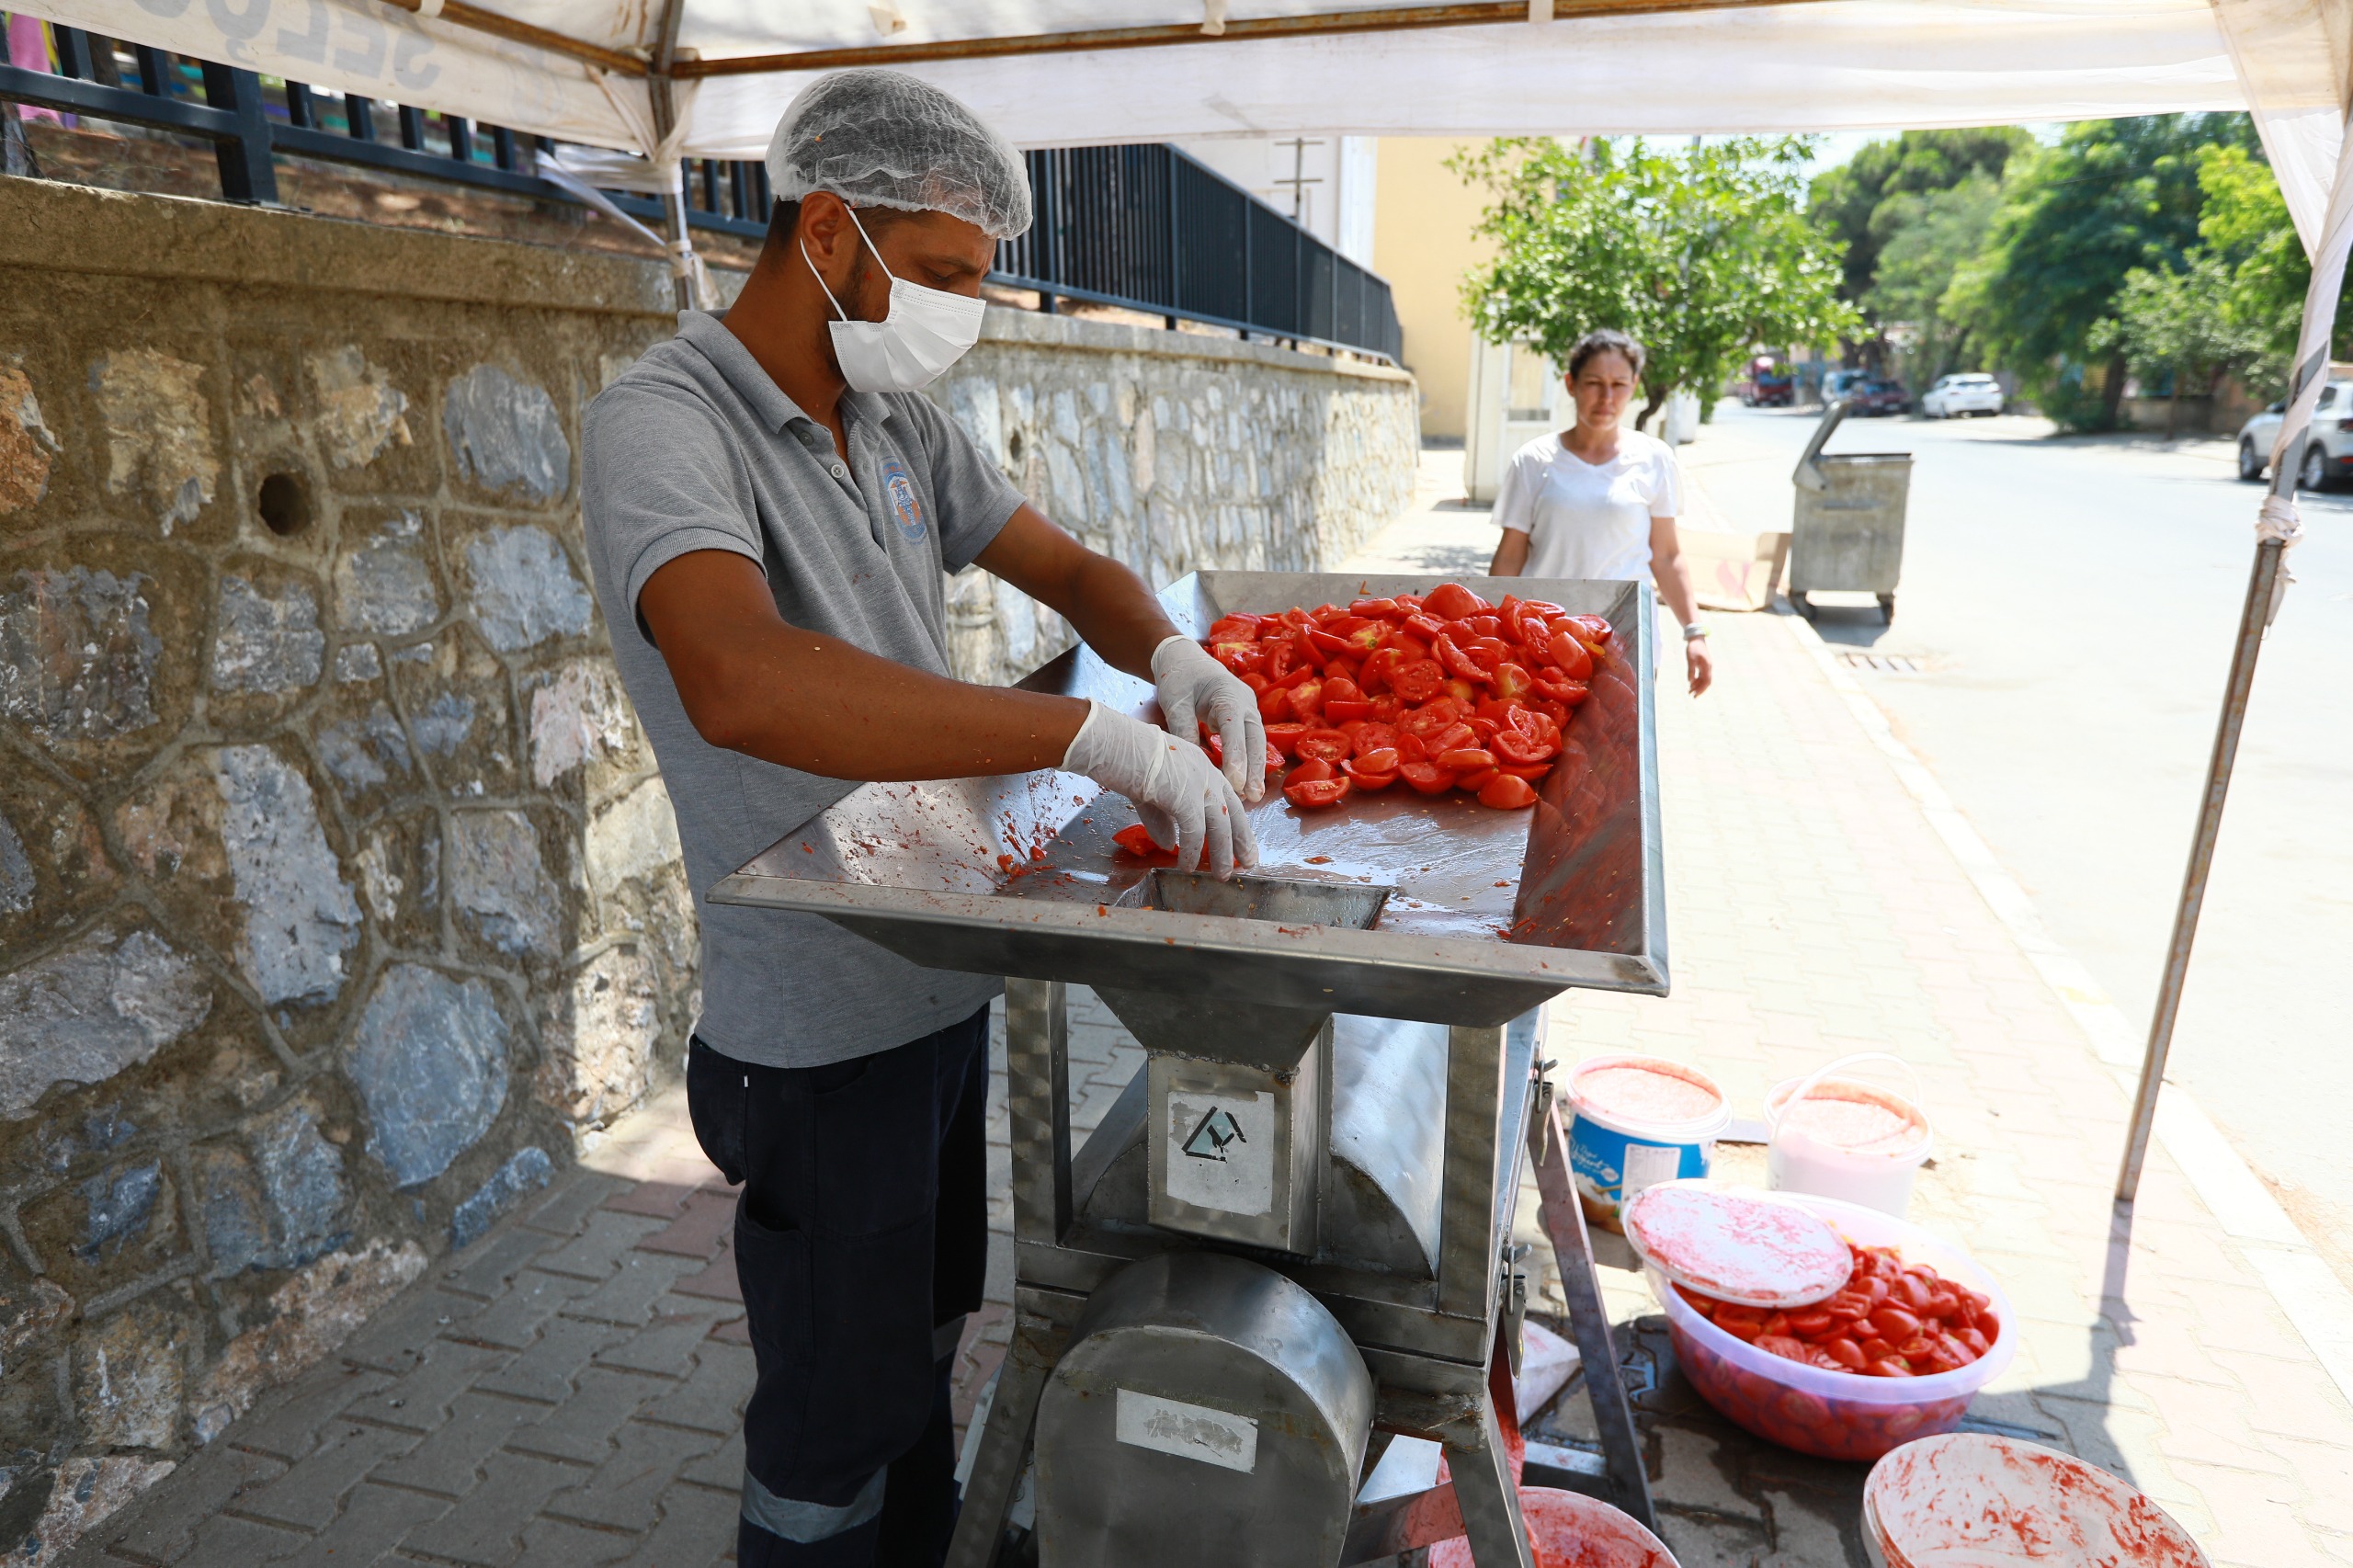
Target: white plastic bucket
x=1873, y=1163
x=1613, y=1154
x=1971, y=1500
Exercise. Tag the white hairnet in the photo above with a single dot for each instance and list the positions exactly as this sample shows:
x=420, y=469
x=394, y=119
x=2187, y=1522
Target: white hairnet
x=878, y=137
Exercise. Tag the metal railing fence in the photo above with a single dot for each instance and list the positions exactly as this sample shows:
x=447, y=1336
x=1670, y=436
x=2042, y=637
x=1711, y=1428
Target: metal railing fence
x=1146, y=227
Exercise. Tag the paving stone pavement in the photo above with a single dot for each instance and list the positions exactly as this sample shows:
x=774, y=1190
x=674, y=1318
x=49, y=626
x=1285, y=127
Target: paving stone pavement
x=567, y=1390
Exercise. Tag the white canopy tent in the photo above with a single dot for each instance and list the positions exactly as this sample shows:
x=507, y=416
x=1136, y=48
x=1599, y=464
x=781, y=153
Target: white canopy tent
x=665, y=79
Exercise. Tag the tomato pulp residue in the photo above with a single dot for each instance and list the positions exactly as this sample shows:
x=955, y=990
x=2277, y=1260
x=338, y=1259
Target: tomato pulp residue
x=1976, y=1501
x=1858, y=1120
x=1737, y=1246
x=1644, y=1094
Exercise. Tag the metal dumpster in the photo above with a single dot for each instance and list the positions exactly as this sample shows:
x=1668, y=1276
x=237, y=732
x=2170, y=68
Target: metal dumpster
x=1847, y=534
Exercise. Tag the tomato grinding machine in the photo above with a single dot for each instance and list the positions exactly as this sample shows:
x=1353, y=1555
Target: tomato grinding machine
x=1289, y=1240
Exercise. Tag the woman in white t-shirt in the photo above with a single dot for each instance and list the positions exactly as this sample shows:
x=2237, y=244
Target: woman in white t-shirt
x=1599, y=500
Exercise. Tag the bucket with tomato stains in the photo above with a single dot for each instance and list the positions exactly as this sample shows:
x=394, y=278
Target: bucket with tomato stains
x=1572, y=1531
x=1836, y=1136
x=1637, y=1122
x=1973, y=1501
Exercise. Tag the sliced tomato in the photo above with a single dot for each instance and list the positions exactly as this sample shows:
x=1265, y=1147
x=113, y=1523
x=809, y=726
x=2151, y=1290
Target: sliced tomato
x=1531, y=772
x=1512, y=680
x=1257, y=682
x=1307, y=697
x=1410, y=603
x=1387, y=707
x=1274, y=706
x=1484, y=625
x=1454, y=737
x=1505, y=793
x=1466, y=759
x=1468, y=694
x=1452, y=601
x=1215, y=746
x=1375, y=737
x=1426, y=777
x=1326, y=643
x=1428, y=628
x=1460, y=662
x=1593, y=627
x=1374, y=607
x=1378, y=666
x=1284, y=738
x=1379, y=759
x=1316, y=794
x=1431, y=718
x=1137, y=841
x=1363, y=777
x=1325, y=745
x=1242, y=658
x=1569, y=655
x=1562, y=690
x=1515, y=747
x=1234, y=628
x=1536, y=725
x=1419, y=681
x=1336, y=709
x=1474, y=782
x=1347, y=668
x=1486, y=726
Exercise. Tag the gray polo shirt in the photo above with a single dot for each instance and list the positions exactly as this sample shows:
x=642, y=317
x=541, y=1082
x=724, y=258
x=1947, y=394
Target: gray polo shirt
x=694, y=448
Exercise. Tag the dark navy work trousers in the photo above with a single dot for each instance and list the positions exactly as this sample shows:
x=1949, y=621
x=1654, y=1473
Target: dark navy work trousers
x=861, y=1240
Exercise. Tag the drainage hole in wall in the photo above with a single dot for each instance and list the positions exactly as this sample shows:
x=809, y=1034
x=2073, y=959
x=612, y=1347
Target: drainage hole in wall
x=285, y=503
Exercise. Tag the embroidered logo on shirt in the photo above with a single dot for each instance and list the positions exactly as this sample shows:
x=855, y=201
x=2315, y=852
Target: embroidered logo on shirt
x=906, y=508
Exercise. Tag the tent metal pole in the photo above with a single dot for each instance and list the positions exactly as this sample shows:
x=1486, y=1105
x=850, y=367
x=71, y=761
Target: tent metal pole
x=665, y=119
x=2260, y=588
x=456, y=12
x=1322, y=23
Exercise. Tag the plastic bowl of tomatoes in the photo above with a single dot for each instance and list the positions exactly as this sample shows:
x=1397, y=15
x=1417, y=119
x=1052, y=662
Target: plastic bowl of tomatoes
x=1841, y=1415
x=1431, y=693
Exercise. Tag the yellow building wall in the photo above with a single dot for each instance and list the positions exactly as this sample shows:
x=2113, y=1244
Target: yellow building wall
x=1422, y=215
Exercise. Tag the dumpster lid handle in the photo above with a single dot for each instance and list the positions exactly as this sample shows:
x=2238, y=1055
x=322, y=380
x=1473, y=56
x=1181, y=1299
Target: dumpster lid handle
x=1807, y=475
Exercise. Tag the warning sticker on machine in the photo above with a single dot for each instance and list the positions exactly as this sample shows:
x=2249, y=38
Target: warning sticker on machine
x=1221, y=1151
x=1188, y=1431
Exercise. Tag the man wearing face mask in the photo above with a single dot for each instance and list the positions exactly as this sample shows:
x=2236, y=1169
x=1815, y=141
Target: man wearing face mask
x=771, y=508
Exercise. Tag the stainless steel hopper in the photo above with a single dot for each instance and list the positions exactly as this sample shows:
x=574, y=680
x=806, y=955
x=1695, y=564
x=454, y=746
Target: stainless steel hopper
x=1394, y=906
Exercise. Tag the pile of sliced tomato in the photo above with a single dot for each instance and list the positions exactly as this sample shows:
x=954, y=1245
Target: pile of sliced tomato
x=1892, y=1320
x=1442, y=691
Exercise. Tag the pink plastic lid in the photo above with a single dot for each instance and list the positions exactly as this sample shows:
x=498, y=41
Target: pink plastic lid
x=1737, y=1245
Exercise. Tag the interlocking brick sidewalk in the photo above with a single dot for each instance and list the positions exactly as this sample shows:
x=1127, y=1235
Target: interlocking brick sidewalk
x=566, y=1389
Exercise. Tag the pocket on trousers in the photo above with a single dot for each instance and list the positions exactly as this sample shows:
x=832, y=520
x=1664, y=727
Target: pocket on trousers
x=716, y=1093
x=772, y=1266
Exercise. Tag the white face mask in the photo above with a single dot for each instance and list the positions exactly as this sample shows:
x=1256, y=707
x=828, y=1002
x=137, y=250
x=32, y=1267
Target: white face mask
x=926, y=331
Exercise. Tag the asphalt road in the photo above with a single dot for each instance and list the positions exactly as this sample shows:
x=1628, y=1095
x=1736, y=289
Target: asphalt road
x=2070, y=605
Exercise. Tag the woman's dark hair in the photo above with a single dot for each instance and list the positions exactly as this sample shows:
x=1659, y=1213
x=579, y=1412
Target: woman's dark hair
x=1606, y=340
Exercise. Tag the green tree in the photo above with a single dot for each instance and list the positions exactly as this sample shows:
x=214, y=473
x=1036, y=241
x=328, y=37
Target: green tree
x=2109, y=197
x=1702, y=252
x=2245, y=224
x=2181, y=326
x=1924, y=237
x=1869, y=200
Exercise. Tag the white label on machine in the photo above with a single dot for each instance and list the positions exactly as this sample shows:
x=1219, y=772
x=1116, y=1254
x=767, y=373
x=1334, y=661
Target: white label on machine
x=1221, y=1152
x=1188, y=1431
x=1647, y=1165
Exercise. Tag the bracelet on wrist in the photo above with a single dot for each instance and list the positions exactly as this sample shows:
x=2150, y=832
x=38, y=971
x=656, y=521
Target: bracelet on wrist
x=1694, y=631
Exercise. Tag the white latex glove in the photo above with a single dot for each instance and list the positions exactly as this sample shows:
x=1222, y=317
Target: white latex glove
x=1196, y=690
x=1185, y=803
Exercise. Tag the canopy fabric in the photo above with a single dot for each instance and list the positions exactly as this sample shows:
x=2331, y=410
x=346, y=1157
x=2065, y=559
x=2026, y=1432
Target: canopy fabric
x=1804, y=65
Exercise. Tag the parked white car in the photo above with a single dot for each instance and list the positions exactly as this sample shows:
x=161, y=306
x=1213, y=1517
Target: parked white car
x=2328, y=446
x=1961, y=395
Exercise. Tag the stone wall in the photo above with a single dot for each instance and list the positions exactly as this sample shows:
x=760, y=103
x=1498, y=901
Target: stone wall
x=339, y=897
x=1174, y=453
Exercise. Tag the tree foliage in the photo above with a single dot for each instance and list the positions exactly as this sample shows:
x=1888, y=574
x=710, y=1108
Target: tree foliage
x=1702, y=252
x=2076, y=218
x=1922, y=238
x=2180, y=327
x=1877, y=195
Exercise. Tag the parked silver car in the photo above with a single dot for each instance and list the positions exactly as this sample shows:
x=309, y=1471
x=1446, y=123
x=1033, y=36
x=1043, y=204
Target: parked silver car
x=2328, y=446
x=1961, y=395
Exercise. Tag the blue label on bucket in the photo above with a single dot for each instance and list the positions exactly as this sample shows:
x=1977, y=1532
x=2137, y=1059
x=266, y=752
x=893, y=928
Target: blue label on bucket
x=1603, y=1160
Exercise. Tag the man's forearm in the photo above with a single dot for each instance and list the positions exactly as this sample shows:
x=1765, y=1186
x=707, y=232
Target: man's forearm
x=1116, y=615
x=818, y=704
